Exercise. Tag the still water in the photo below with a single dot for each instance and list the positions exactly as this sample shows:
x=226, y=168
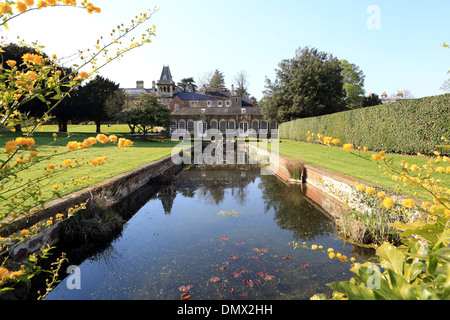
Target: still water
x=215, y=233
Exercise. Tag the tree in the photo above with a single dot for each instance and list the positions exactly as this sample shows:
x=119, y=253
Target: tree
x=371, y=100
x=187, y=85
x=353, y=84
x=217, y=82
x=145, y=114
x=240, y=81
x=310, y=84
x=93, y=97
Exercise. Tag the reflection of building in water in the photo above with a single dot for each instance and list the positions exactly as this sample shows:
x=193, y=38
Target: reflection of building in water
x=167, y=195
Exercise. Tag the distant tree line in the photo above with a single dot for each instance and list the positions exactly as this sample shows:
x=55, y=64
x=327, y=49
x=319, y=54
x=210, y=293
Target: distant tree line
x=313, y=83
x=99, y=100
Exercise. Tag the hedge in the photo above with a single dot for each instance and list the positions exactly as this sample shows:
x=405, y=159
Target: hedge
x=406, y=127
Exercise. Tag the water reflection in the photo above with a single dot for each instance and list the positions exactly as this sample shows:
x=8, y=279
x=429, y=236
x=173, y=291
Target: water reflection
x=173, y=235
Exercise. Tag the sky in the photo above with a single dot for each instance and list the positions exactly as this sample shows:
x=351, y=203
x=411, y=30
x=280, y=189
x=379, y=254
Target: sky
x=397, y=44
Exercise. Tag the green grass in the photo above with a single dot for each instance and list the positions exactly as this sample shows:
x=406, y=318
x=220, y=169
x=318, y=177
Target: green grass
x=118, y=161
x=349, y=163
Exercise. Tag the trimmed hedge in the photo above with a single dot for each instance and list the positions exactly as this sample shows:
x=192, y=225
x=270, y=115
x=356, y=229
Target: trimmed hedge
x=406, y=127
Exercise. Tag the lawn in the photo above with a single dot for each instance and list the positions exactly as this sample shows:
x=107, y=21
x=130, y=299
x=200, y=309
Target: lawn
x=118, y=160
x=349, y=163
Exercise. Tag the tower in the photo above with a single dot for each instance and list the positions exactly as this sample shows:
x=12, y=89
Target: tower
x=165, y=85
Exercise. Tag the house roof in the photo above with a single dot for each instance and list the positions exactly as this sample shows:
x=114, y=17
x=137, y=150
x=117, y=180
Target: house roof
x=193, y=96
x=215, y=111
x=166, y=75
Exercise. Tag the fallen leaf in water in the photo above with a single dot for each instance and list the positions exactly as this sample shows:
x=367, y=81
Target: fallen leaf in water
x=261, y=274
x=254, y=257
x=185, y=296
x=224, y=238
x=243, y=271
x=240, y=244
x=219, y=250
x=243, y=294
x=234, y=257
x=214, y=279
x=186, y=288
x=286, y=257
x=248, y=283
x=269, y=278
x=304, y=266
x=235, y=275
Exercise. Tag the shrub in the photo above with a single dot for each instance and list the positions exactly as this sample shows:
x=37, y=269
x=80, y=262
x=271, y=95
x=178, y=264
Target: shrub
x=408, y=127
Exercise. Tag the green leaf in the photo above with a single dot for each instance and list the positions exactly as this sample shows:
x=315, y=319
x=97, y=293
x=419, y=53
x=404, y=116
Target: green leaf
x=443, y=253
x=391, y=257
x=354, y=292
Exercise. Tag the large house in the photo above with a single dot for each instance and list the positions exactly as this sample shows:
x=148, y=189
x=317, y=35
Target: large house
x=205, y=112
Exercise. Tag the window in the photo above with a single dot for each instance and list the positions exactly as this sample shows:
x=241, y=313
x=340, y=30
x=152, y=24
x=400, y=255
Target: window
x=190, y=126
x=182, y=125
x=213, y=125
x=255, y=125
x=243, y=127
x=220, y=104
x=177, y=107
x=232, y=125
x=209, y=104
x=228, y=104
x=223, y=126
x=243, y=110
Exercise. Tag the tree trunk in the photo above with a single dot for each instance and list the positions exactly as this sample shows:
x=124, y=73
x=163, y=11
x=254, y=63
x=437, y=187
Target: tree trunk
x=98, y=124
x=62, y=125
x=18, y=128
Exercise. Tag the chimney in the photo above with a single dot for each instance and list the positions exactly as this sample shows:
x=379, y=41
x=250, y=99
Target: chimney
x=139, y=84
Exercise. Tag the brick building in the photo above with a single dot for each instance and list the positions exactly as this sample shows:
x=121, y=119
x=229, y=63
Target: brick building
x=202, y=112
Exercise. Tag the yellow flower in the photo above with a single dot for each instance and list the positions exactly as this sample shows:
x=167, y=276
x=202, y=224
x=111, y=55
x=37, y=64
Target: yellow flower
x=113, y=138
x=72, y=145
x=314, y=247
x=360, y=187
x=11, y=63
x=348, y=146
x=330, y=250
x=29, y=2
x=366, y=149
x=42, y=4
x=335, y=141
x=409, y=203
x=331, y=255
x=376, y=157
x=370, y=190
x=56, y=186
x=24, y=232
x=34, y=153
x=439, y=169
x=414, y=168
x=21, y=7
x=67, y=162
x=381, y=195
x=11, y=146
x=388, y=203
x=426, y=204
x=382, y=153
x=102, y=138
x=124, y=143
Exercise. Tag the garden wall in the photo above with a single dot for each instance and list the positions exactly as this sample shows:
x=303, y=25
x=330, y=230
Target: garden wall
x=406, y=127
x=113, y=190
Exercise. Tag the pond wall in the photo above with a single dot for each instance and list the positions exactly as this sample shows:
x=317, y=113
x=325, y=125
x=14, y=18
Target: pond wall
x=113, y=190
x=329, y=190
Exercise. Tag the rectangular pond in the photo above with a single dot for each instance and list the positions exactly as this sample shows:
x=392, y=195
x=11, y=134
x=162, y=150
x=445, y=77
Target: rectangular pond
x=213, y=232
